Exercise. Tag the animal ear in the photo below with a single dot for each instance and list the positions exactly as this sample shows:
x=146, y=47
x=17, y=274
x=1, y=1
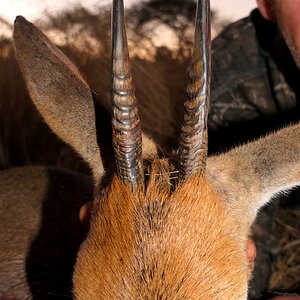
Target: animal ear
x=59, y=92
x=248, y=176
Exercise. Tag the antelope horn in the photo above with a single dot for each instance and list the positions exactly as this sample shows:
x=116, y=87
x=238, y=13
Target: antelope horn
x=127, y=137
x=194, y=140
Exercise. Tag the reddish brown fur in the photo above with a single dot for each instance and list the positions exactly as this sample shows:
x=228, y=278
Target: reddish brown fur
x=161, y=245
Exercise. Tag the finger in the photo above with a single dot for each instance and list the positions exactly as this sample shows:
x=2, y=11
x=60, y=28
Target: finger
x=251, y=251
x=85, y=213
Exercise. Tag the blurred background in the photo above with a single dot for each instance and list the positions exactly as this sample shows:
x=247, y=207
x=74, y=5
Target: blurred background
x=35, y=10
x=160, y=34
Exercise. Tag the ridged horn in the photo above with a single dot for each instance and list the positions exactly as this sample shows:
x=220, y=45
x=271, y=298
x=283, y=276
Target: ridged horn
x=127, y=137
x=193, y=143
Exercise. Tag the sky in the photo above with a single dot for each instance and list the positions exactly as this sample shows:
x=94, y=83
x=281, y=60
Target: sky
x=33, y=9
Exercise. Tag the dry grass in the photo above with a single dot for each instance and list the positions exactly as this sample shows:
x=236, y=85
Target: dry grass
x=25, y=139
x=286, y=270
x=160, y=87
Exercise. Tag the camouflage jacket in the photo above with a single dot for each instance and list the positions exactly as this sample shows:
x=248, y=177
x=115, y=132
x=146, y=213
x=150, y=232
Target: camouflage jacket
x=255, y=89
x=255, y=82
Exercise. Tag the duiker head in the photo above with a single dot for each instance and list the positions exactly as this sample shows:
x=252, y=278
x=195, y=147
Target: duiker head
x=161, y=228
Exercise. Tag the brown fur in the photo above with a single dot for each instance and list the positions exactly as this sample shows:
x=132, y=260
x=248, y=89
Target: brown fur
x=162, y=245
x=168, y=240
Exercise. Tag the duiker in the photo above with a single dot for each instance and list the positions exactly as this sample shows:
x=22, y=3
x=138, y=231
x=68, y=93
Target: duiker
x=161, y=228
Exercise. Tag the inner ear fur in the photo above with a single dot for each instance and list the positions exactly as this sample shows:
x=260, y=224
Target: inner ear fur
x=250, y=175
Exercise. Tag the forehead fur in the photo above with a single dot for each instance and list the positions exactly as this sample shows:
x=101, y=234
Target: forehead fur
x=161, y=244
